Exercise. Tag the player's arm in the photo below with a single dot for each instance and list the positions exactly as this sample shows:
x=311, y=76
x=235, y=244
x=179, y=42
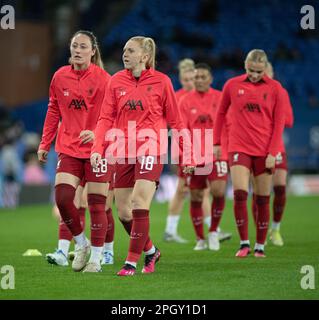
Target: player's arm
x=104, y=124
x=51, y=124
x=278, y=121
x=289, y=112
x=175, y=120
x=220, y=119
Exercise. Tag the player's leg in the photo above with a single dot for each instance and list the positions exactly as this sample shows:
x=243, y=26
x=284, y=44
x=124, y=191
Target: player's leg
x=97, y=192
x=175, y=208
x=80, y=202
x=240, y=165
x=206, y=206
x=197, y=186
x=146, y=176
x=263, y=186
x=254, y=208
x=69, y=173
x=279, y=202
x=61, y=255
x=218, y=190
x=108, y=251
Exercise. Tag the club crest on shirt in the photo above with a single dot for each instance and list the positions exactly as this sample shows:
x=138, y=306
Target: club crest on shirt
x=193, y=110
x=241, y=92
x=65, y=92
x=121, y=92
x=235, y=157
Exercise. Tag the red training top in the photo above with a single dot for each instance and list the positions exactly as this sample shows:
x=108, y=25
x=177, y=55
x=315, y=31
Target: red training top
x=180, y=93
x=289, y=119
x=75, y=99
x=257, y=116
x=198, y=110
x=148, y=103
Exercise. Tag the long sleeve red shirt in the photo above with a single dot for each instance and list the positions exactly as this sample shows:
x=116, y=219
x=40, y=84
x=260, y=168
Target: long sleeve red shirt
x=198, y=110
x=257, y=116
x=149, y=101
x=289, y=118
x=75, y=99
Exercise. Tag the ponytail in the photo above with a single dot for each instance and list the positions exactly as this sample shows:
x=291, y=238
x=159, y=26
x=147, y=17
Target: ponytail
x=149, y=47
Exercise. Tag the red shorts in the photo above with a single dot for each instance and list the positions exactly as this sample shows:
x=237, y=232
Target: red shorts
x=255, y=164
x=111, y=168
x=180, y=172
x=147, y=168
x=281, y=161
x=82, y=169
x=219, y=172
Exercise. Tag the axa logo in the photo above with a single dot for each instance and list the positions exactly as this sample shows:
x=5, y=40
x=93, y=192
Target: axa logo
x=252, y=107
x=134, y=104
x=77, y=104
x=204, y=118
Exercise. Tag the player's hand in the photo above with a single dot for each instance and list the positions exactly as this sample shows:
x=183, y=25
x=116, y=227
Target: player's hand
x=217, y=150
x=270, y=163
x=42, y=155
x=189, y=169
x=95, y=159
x=86, y=136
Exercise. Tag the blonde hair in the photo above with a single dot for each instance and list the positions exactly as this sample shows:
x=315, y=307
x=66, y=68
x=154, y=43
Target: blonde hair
x=270, y=70
x=96, y=58
x=257, y=56
x=186, y=65
x=149, y=47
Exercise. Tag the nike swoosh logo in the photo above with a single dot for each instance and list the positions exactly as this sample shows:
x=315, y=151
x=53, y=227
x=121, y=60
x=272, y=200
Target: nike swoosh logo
x=141, y=172
x=100, y=175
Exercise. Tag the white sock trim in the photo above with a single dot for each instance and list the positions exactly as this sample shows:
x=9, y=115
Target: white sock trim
x=151, y=251
x=108, y=246
x=64, y=246
x=96, y=253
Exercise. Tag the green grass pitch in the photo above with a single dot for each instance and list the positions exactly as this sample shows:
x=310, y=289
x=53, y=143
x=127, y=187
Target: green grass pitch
x=181, y=273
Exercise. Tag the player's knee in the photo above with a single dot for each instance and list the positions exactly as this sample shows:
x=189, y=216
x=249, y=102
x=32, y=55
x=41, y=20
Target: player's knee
x=138, y=202
x=197, y=195
x=218, y=192
x=64, y=195
x=96, y=203
x=240, y=195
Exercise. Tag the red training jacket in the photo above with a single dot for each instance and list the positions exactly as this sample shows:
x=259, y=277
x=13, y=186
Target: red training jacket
x=75, y=100
x=257, y=116
x=148, y=101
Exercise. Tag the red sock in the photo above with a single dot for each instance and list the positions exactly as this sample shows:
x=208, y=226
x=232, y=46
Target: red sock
x=96, y=204
x=197, y=219
x=254, y=208
x=128, y=228
x=64, y=232
x=139, y=234
x=262, y=218
x=279, y=202
x=218, y=206
x=241, y=215
x=64, y=196
x=110, y=226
